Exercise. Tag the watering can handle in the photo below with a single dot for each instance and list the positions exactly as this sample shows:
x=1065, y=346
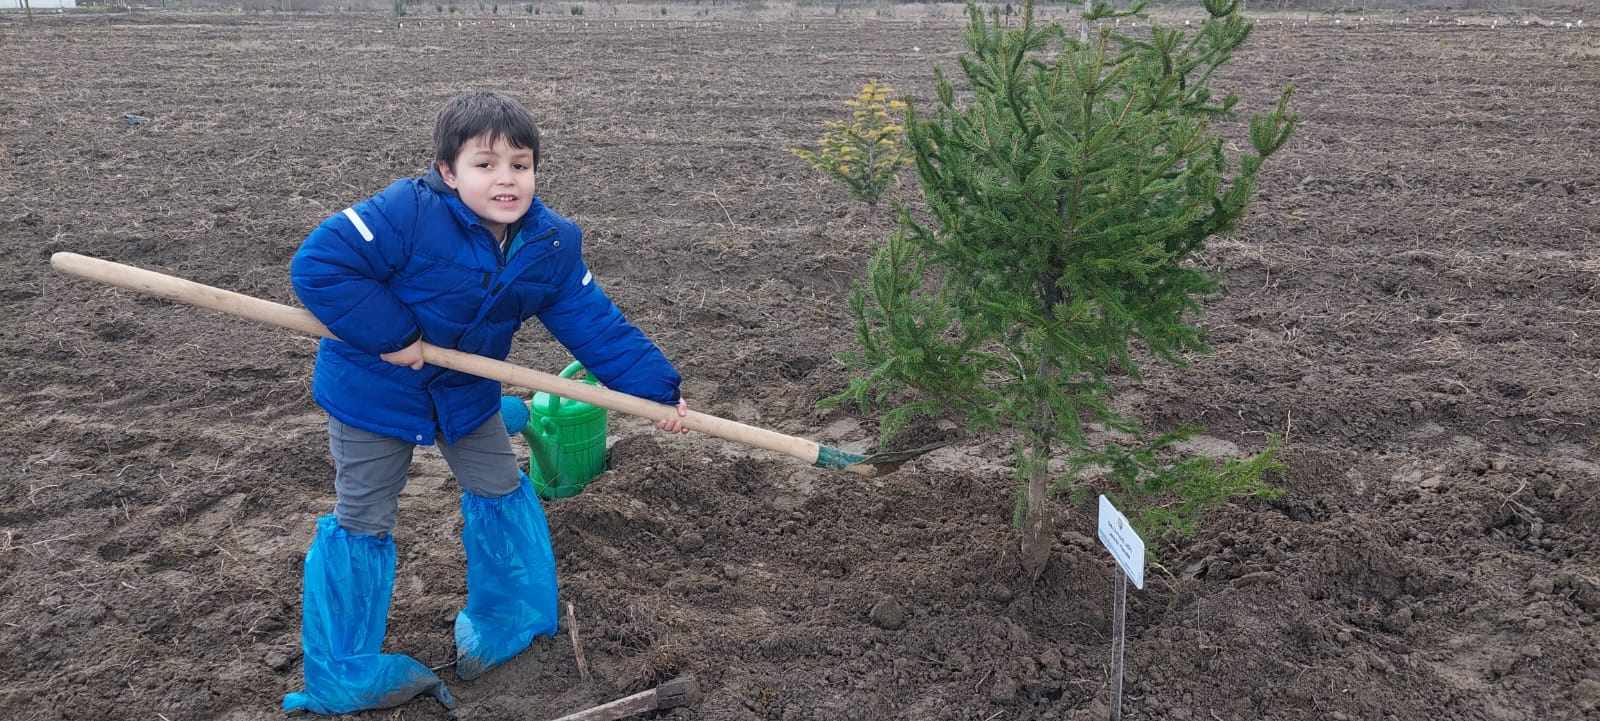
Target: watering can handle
x=283, y=316
x=572, y=369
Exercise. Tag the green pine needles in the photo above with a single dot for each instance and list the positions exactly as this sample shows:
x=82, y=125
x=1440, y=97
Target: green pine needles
x=1067, y=199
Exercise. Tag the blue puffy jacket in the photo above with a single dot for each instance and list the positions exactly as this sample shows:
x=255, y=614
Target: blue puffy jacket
x=414, y=262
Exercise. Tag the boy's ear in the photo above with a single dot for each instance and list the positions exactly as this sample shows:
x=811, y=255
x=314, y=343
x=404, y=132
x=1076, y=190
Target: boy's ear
x=448, y=175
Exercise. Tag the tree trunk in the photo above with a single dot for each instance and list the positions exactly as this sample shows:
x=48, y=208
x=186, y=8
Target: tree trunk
x=1038, y=527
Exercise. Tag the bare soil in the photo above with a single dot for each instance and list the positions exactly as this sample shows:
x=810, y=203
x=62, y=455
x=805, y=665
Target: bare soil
x=1412, y=305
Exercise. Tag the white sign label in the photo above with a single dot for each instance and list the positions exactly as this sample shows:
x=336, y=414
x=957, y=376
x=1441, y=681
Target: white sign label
x=1118, y=536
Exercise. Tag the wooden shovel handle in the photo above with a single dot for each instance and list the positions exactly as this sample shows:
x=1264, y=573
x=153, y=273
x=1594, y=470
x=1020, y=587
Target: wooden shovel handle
x=283, y=316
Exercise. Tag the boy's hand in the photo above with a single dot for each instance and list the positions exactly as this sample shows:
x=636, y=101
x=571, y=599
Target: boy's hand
x=675, y=425
x=410, y=355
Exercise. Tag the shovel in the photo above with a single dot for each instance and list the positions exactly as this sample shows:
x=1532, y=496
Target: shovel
x=283, y=316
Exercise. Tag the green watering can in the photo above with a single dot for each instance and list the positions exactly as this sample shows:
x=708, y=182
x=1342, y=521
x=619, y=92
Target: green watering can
x=566, y=441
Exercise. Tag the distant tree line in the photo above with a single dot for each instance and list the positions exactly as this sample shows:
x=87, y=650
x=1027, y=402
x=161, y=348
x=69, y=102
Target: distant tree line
x=560, y=6
x=1436, y=5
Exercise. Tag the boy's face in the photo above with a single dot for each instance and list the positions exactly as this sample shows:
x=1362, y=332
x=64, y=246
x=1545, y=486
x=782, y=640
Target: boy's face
x=495, y=180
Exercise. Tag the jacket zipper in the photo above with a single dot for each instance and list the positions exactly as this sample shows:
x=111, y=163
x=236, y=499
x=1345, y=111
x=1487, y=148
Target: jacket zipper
x=505, y=259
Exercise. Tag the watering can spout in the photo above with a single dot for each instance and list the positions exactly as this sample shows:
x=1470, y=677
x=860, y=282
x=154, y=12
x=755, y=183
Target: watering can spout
x=519, y=420
x=540, y=456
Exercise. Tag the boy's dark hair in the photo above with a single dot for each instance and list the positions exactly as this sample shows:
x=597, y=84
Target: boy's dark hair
x=469, y=115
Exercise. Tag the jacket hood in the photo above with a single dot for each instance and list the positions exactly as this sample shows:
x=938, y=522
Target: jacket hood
x=435, y=182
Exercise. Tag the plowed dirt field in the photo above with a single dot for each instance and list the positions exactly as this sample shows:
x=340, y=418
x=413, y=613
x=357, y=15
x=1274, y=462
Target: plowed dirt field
x=1413, y=304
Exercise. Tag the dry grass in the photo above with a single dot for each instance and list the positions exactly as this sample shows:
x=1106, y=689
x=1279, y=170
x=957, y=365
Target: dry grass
x=1443, y=350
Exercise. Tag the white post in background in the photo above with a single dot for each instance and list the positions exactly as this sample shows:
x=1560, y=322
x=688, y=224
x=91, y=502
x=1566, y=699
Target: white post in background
x=1083, y=24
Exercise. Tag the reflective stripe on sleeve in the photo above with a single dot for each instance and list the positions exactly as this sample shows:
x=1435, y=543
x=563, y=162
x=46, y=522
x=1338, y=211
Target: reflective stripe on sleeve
x=360, y=226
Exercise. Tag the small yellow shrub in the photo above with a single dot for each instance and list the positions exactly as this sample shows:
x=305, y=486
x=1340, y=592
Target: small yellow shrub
x=866, y=153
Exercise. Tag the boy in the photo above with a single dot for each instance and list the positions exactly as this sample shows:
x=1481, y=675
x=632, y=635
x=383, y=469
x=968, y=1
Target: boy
x=458, y=258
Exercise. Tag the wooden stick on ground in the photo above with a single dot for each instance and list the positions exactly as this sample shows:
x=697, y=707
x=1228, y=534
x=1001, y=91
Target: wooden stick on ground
x=577, y=646
x=681, y=691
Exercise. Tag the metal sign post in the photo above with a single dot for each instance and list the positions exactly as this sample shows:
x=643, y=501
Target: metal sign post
x=1125, y=545
x=1119, y=643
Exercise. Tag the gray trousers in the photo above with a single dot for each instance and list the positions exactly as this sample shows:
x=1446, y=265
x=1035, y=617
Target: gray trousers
x=370, y=471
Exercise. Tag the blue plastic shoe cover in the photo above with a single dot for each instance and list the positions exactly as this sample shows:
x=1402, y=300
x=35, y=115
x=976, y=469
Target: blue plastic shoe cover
x=349, y=578
x=514, y=413
x=511, y=579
